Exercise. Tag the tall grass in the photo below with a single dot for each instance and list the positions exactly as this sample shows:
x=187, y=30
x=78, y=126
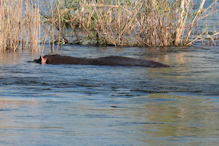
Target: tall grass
x=104, y=22
x=129, y=22
x=19, y=24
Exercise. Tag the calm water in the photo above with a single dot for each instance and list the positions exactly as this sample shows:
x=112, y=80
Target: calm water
x=100, y=105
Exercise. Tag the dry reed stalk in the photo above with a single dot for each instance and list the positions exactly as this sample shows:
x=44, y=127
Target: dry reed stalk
x=180, y=27
x=194, y=21
x=115, y=23
x=201, y=14
x=32, y=23
x=128, y=23
x=19, y=25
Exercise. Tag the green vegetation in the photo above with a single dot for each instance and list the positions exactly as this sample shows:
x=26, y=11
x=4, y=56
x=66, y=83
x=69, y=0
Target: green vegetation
x=104, y=22
x=129, y=22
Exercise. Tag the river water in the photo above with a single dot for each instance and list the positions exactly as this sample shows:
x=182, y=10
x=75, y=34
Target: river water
x=54, y=105
x=103, y=105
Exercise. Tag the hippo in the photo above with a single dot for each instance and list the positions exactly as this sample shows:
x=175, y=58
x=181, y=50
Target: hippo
x=108, y=61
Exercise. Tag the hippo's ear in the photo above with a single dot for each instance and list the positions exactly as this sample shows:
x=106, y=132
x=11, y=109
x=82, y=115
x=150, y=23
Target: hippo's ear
x=43, y=60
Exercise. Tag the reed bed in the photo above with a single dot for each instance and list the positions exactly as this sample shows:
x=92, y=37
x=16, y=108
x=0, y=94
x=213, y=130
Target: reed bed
x=25, y=24
x=129, y=22
x=19, y=25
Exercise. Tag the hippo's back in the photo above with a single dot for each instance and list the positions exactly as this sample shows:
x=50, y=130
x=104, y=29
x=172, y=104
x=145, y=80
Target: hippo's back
x=125, y=61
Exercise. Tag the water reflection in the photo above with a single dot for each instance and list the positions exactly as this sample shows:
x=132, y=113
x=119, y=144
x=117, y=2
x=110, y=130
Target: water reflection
x=9, y=58
x=171, y=56
x=98, y=105
x=172, y=119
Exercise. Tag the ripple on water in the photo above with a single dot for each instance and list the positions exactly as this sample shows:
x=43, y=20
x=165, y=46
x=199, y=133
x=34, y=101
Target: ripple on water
x=64, y=104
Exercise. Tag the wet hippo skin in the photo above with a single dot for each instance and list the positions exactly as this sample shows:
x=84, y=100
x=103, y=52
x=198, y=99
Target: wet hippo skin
x=109, y=60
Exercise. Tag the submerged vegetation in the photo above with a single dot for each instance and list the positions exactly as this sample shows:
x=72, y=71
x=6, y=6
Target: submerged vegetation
x=105, y=22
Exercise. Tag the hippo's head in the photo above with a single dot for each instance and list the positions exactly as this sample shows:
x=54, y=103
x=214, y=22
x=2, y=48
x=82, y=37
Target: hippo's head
x=48, y=59
x=41, y=60
x=38, y=60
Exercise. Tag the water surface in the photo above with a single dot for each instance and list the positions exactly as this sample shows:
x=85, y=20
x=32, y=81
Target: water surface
x=103, y=105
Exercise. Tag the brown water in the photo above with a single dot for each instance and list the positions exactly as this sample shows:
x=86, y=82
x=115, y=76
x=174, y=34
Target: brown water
x=102, y=105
